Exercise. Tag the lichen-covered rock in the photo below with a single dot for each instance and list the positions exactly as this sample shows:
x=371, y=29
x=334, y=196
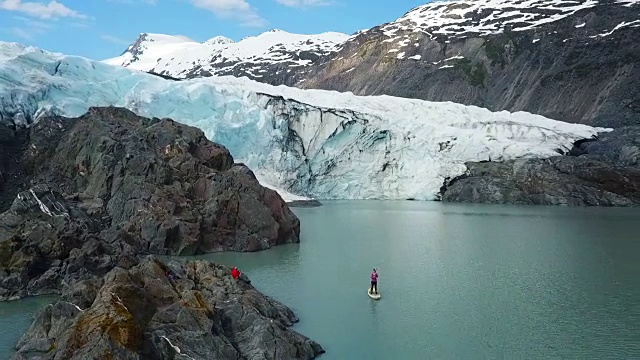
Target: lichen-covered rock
x=199, y=312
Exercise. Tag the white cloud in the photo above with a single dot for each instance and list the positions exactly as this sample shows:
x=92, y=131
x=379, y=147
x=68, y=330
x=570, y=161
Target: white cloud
x=115, y=40
x=51, y=10
x=304, y=3
x=232, y=9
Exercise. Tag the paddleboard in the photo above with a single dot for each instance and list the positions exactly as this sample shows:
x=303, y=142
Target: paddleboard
x=373, y=296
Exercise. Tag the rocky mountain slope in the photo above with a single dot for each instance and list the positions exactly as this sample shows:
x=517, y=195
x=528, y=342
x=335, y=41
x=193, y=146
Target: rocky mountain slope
x=575, y=61
x=274, y=57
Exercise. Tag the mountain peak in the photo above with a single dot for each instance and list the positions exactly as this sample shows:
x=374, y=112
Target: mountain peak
x=180, y=57
x=218, y=40
x=145, y=38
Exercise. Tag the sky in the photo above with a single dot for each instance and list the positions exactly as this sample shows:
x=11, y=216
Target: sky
x=101, y=29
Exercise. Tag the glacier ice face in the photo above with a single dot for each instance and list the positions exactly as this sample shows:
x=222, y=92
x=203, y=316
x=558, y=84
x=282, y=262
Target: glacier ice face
x=315, y=143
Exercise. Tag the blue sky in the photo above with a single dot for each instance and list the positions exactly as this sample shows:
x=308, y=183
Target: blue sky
x=100, y=29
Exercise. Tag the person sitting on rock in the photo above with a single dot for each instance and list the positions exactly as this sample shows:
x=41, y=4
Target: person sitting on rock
x=235, y=272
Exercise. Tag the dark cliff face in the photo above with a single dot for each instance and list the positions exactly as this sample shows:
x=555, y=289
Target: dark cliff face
x=602, y=172
x=583, y=68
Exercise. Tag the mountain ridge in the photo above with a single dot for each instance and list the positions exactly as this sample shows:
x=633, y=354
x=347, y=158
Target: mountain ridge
x=580, y=65
x=275, y=51
x=573, y=61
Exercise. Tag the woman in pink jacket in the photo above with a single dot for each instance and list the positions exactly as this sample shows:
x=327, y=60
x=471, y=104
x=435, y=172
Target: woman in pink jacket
x=374, y=282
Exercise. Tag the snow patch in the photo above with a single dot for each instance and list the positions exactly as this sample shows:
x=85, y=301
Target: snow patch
x=455, y=18
x=619, y=26
x=628, y=3
x=176, y=349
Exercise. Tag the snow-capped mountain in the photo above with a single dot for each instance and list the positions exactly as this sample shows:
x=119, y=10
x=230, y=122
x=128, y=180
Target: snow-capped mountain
x=277, y=55
x=316, y=143
x=464, y=18
x=574, y=60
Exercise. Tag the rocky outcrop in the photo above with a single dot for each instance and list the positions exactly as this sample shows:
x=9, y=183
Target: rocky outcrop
x=575, y=61
x=192, y=310
x=98, y=193
x=105, y=187
x=604, y=172
x=47, y=241
x=161, y=182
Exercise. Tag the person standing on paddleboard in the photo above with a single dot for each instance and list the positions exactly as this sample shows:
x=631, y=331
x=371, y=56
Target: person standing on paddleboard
x=374, y=282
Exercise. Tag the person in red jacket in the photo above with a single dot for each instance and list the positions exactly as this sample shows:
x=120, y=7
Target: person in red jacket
x=235, y=272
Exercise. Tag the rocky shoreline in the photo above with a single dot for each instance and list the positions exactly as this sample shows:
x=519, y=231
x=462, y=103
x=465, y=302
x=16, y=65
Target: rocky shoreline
x=93, y=197
x=598, y=172
x=304, y=203
x=197, y=312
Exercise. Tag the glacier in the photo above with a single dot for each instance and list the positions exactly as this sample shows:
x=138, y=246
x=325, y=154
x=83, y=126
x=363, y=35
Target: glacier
x=311, y=143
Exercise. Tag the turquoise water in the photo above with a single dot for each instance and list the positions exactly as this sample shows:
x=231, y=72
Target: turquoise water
x=459, y=281
x=15, y=318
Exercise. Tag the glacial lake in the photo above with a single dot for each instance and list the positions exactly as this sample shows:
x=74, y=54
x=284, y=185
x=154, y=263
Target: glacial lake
x=457, y=281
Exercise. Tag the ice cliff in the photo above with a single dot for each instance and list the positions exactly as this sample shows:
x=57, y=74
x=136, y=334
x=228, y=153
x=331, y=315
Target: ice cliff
x=316, y=143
